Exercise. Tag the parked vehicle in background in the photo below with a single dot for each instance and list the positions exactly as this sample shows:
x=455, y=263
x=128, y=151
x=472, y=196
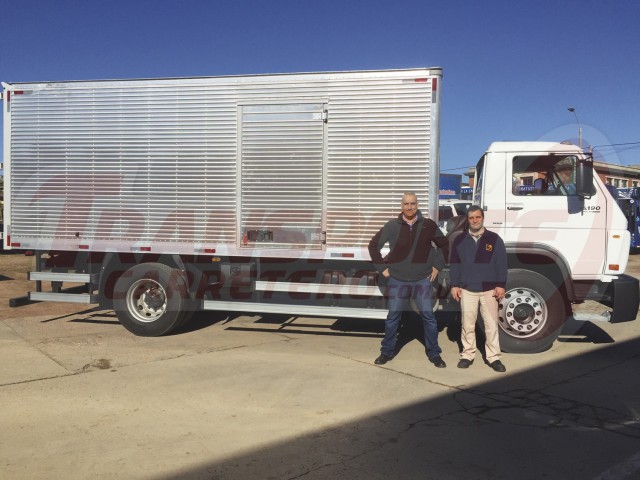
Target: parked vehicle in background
x=260, y=193
x=448, y=209
x=628, y=200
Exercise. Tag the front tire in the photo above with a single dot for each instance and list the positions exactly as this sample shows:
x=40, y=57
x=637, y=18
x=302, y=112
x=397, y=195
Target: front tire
x=150, y=299
x=531, y=314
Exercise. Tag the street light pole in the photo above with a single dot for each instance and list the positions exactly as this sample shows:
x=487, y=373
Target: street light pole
x=573, y=110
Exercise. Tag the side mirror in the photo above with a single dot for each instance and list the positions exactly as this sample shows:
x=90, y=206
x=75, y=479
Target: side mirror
x=584, y=178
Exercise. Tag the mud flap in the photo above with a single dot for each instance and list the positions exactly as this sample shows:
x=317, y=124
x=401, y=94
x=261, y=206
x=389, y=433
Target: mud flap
x=624, y=298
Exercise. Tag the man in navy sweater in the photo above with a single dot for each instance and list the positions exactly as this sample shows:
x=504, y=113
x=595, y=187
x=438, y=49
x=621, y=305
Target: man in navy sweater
x=410, y=268
x=479, y=277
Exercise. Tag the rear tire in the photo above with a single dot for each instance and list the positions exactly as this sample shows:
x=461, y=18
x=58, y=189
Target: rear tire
x=531, y=314
x=150, y=299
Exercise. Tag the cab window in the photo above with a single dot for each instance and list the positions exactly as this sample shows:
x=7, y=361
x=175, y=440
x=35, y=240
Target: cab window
x=544, y=175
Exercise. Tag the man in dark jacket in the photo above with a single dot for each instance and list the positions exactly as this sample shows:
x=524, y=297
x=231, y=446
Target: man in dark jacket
x=479, y=276
x=411, y=266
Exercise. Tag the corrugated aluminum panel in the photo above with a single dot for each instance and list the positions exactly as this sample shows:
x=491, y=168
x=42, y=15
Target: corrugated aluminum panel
x=157, y=160
x=140, y=164
x=378, y=148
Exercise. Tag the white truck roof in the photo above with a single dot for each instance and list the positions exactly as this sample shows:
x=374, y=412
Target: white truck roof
x=533, y=147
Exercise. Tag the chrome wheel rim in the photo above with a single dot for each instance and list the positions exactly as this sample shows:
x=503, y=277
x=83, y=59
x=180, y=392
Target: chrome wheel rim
x=522, y=313
x=146, y=300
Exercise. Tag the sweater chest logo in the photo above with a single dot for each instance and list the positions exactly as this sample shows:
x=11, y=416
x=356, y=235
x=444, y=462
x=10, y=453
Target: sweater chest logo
x=488, y=247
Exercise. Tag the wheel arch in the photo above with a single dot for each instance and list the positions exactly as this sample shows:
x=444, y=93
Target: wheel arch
x=544, y=260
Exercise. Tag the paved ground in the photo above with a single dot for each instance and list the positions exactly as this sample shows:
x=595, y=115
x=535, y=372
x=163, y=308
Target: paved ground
x=241, y=397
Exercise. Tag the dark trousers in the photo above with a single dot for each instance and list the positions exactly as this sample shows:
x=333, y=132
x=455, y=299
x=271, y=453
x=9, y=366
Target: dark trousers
x=400, y=294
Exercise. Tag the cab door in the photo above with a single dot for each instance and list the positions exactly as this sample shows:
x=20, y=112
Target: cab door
x=543, y=210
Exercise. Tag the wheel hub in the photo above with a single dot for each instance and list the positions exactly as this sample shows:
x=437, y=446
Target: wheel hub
x=146, y=300
x=153, y=299
x=523, y=313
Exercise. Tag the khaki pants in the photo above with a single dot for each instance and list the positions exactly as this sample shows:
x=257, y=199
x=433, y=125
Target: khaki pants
x=489, y=311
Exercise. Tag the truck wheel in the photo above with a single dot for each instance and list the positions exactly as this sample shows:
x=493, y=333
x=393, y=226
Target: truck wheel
x=150, y=298
x=531, y=314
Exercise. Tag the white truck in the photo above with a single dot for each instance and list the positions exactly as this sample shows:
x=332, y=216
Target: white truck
x=162, y=197
x=566, y=239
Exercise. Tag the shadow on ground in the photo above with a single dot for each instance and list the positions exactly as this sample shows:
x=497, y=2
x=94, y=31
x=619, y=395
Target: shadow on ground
x=577, y=418
x=574, y=331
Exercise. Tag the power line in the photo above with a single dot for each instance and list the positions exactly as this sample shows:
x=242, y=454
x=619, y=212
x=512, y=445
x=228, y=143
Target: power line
x=618, y=148
x=616, y=144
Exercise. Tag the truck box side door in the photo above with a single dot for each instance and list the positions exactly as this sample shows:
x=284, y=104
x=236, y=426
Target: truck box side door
x=281, y=168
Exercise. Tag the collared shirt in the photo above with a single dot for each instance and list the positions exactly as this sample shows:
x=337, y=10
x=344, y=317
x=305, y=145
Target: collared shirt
x=411, y=223
x=477, y=236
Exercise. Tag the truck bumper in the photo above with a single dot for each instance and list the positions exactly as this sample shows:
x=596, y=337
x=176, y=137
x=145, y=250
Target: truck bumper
x=624, y=297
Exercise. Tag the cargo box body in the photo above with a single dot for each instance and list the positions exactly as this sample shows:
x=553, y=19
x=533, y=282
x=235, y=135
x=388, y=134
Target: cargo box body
x=287, y=165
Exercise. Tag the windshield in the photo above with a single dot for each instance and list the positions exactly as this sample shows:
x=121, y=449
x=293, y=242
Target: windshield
x=477, y=197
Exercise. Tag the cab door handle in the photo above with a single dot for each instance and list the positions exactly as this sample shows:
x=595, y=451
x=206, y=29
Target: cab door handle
x=515, y=207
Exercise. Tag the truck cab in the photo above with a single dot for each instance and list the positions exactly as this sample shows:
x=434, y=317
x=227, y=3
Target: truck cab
x=566, y=238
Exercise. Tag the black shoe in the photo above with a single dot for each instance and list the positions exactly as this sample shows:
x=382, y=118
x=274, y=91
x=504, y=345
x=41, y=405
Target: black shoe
x=382, y=359
x=438, y=362
x=498, y=366
x=464, y=363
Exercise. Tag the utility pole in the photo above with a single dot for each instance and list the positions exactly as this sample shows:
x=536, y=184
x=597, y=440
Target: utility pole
x=573, y=110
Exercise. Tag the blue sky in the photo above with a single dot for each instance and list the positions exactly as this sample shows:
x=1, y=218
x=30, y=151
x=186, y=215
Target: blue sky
x=511, y=68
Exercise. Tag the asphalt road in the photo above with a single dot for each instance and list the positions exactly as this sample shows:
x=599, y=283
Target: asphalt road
x=251, y=397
